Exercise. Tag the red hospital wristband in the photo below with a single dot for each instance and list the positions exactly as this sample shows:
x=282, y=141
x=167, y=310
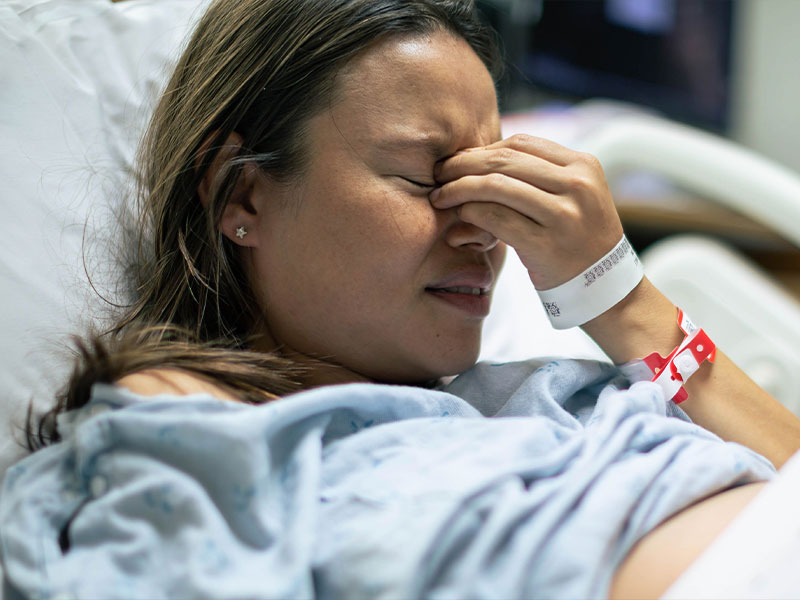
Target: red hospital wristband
x=672, y=372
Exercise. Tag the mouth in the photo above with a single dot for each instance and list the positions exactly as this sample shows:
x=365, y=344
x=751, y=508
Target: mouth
x=462, y=289
x=468, y=291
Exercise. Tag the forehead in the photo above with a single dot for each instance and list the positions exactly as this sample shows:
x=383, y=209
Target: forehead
x=431, y=90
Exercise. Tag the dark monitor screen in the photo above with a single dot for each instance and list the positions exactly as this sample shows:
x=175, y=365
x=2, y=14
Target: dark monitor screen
x=671, y=55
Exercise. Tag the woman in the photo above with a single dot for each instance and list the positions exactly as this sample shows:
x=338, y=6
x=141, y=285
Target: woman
x=327, y=199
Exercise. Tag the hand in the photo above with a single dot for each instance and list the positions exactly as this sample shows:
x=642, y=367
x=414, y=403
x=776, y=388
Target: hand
x=553, y=206
x=550, y=203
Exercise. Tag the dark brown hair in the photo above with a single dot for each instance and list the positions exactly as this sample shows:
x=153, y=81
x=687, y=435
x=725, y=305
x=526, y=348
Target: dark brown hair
x=260, y=68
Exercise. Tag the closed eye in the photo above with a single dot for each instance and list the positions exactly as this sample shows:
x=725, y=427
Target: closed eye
x=419, y=184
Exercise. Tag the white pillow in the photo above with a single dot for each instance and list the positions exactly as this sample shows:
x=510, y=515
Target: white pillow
x=78, y=80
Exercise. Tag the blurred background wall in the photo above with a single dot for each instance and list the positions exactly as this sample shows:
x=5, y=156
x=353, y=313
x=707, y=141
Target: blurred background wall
x=729, y=66
x=766, y=92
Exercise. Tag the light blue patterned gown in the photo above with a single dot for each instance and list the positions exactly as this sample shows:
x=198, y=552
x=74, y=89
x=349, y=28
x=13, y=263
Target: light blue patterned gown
x=524, y=480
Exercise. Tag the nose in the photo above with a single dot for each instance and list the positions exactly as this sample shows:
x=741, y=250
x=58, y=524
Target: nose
x=462, y=235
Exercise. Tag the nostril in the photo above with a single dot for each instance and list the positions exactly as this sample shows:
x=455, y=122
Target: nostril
x=468, y=235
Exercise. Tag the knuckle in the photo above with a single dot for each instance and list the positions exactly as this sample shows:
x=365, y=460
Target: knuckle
x=567, y=211
x=521, y=140
x=502, y=157
x=496, y=180
x=591, y=161
x=573, y=212
x=456, y=160
x=580, y=182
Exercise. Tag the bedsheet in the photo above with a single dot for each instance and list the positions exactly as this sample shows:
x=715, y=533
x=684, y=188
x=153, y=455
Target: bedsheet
x=519, y=480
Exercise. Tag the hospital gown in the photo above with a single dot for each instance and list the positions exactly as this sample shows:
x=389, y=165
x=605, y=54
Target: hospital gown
x=523, y=480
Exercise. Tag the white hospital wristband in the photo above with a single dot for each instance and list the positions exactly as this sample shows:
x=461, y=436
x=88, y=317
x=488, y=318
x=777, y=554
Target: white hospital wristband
x=594, y=291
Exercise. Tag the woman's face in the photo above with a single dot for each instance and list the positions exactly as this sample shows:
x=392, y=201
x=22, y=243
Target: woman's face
x=354, y=265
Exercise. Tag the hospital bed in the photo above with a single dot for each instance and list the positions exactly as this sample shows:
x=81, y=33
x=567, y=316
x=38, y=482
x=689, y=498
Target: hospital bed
x=77, y=81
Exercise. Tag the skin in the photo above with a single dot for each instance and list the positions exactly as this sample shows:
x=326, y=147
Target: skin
x=344, y=263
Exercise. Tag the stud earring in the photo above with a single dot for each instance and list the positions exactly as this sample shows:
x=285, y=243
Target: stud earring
x=241, y=232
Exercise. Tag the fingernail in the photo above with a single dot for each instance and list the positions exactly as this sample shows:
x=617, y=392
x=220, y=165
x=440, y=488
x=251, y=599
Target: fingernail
x=437, y=169
x=435, y=193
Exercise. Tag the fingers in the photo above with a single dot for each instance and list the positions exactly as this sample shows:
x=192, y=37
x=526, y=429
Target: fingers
x=510, y=161
x=502, y=222
x=539, y=153
x=537, y=178
x=550, y=203
x=499, y=189
x=538, y=162
x=536, y=146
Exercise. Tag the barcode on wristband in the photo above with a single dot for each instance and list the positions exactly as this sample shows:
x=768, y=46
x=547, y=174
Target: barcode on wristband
x=608, y=263
x=594, y=291
x=552, y=309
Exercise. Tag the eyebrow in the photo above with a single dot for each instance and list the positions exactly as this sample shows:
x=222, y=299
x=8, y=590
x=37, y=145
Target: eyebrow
x=433, y=146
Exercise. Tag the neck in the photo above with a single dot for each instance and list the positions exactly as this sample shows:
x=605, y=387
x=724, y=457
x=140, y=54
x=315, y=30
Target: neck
x=317, y=371
x=326, y=373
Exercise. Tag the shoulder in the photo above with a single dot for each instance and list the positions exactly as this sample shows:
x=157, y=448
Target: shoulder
x=152, y=382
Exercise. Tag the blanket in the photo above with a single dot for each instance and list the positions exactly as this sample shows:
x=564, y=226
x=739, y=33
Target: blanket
x=519, y=480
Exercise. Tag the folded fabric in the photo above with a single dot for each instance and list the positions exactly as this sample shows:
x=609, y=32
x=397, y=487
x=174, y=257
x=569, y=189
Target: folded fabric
x=517, y=480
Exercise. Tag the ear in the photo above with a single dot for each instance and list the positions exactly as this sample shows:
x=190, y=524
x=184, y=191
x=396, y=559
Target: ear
x=239, y=221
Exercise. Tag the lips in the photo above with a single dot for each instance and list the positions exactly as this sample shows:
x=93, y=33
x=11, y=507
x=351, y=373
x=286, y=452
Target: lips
x=465, y=281
x=461, y=290
x=466, y=290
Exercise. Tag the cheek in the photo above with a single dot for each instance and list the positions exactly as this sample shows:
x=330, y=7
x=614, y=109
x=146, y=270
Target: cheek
x=363, y=246
x=384, y=228
x=409, y=220
x=356, y=274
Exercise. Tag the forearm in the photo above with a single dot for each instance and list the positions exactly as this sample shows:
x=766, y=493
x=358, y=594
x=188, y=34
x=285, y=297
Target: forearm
x=721, y=397
x=553, y=206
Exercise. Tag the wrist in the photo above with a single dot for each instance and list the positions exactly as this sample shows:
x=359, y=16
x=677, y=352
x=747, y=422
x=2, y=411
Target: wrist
x=594, y=291
x=641, y=323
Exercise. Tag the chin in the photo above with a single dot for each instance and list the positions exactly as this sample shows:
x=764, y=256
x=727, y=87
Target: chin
x=434, y=369
x=453, y=363
x=422, y=362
